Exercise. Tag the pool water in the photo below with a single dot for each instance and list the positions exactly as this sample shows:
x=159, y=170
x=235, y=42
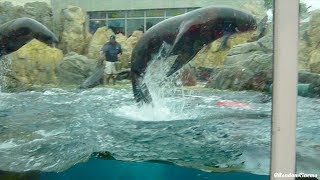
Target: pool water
x=57, y=130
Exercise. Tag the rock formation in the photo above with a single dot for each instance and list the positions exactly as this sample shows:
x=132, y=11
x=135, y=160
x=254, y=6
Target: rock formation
x=211, y=57
x=74, y=69
x=40, y=11
x=247, y=66
x=34, y=64
x=313, y=39
x=244, y=64
x=73, y=35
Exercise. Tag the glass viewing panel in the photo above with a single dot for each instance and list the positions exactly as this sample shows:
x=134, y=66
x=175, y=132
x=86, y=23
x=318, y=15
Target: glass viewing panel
x=209, y=104
x=308, y=113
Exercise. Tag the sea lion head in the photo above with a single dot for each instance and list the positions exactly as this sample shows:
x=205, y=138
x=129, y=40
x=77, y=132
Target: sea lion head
x=245, y=22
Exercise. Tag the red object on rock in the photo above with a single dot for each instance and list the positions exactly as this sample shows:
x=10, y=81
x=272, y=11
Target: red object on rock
x=232, y=104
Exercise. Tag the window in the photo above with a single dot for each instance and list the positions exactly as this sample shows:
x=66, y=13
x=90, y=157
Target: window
x=133, y=13
x=95, y=24
x=155, y=13
x=117, y=25
x=97, y=15
x=128, y=18
x=116, y=14
x=135, y=24
x=174, y=12
x=152, y=21
x=191, y=9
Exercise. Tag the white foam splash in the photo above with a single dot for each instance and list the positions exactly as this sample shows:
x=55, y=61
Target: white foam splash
x=160, y=111
x=47, y=134
x=166, y=106
x=8, y=144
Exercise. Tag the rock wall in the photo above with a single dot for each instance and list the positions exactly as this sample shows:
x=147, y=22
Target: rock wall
x=309, y=53
x=313, y=43
x=73, y=36
x=74, y=69
x=211, y=57
x=244, y=64
x=247, y=66
x=37, y=64
x=255, y=7
x=40, y=11
x=33, y=64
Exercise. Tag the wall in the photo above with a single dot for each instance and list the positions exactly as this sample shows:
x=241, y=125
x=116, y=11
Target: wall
x=22, y=2
x=102, y=5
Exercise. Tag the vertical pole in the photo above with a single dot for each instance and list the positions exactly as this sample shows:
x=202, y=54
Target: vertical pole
x=145, y=21
x=126, y=24
x=286, y=23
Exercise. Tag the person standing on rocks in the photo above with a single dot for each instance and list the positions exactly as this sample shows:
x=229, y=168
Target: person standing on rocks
x=111, y=50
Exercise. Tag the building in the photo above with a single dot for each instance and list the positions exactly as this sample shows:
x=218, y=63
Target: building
x=22, y=2
x=126, y=16
x=127, y=21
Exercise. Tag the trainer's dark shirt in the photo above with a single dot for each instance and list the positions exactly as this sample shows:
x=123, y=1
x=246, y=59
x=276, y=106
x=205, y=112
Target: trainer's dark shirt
x=111, y=51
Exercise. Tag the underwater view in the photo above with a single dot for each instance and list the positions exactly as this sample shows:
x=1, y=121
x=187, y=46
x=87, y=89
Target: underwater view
x=148, y=90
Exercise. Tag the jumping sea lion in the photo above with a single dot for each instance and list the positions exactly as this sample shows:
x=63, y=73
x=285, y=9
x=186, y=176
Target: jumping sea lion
x=16, y=33
x=187, y=34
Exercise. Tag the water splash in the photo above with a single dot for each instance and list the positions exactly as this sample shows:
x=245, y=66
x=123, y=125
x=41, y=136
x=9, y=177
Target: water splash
x=162, y=89
x=5, y=63
x=168, y=101
x=55, y=129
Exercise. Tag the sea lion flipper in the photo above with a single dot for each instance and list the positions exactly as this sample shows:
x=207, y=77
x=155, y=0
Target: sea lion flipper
x=140, y=90
x=262, y=24
x=187, y=52
x=262, y=27
x=224, y=43
x=94, y=79
x=181, y=60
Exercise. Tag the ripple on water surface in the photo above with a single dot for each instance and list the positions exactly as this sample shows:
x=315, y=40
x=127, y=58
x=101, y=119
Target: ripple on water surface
x=55, y=129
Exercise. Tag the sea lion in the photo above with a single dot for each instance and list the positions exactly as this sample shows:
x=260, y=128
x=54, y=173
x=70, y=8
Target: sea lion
x=187, y=34
x=16, y=33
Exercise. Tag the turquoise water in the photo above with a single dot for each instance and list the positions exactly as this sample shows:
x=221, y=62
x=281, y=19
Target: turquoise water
x=117, y=170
